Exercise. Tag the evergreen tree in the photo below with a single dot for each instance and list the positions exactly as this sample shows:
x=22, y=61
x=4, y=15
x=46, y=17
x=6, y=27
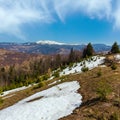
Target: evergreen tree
x=58, y=60
x=72, y=56
x=115, y=48
x=88, y=51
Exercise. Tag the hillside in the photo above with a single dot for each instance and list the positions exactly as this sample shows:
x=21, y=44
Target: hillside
x=92, y=106
x=9, y=57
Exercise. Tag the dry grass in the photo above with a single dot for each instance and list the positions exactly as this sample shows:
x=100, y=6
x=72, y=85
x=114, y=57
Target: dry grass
x=92, y=108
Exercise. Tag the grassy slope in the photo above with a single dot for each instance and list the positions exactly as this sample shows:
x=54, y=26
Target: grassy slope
x=92, y=108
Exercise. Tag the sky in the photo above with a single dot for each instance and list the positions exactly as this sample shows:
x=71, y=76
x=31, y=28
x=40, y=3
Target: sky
x=68, y=21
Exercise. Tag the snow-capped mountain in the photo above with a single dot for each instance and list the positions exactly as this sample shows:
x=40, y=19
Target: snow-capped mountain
x=50, y=47
x=49, y=42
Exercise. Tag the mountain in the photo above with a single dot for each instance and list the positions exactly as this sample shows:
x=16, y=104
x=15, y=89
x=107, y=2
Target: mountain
x=43, y=42
x=49, y=47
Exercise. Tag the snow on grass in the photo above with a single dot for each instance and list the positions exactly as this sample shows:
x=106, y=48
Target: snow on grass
x=8, y=96
x=14, y=90
x=50, y=104
x=90, y=63
x=54, y=82
x=117, y=57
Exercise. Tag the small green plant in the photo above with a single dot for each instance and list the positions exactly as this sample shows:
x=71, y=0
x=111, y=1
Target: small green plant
x=81, y=64
x=99, y=73
x=1, y=90
x=84, y=69
x=115, y=116
x=56, y=74
x=117, y=102
x=103, y=90
x=1, y=100
x=113, y=67
x=45, y=77
x=41, y=84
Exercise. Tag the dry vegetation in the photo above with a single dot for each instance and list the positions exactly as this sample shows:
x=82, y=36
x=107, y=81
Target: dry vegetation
x=8, y=58
x=92, y=108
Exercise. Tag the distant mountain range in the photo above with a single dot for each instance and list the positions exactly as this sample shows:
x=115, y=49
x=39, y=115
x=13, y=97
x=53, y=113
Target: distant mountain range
x=49, y=47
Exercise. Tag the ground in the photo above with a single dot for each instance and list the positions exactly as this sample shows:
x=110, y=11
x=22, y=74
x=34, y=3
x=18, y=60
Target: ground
x=92, y=108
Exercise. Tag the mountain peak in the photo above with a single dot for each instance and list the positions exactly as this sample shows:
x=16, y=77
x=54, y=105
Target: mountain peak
x=49, y=42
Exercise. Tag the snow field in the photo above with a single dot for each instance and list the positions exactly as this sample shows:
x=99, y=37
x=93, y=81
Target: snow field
x=95, y=62
x=53, y=103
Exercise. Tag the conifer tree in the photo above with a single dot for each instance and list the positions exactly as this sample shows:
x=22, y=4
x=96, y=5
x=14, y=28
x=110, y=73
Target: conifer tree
x=115, y=48
x=72, y=56
x=88, y=51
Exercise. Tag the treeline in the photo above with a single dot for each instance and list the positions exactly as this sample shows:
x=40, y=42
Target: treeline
x=30, y=71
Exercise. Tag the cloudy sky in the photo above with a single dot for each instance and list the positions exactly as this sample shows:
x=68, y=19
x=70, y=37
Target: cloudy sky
x=70, y=21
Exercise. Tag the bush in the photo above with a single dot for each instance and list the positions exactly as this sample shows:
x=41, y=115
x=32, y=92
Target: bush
x=1, y=101
x=84, y=69
x=45, y=77
x=103, y=90
x=56, y=74
x=71, y=65
x=41, y=84
x=117, y=102
x=99, y=73
x=1, y=90
x=115, y=116
x=113, y=67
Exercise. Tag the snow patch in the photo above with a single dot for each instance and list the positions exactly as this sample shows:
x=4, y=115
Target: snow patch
x=54, y=103
x=117, y=57
x=95, y=61
x=14, y=90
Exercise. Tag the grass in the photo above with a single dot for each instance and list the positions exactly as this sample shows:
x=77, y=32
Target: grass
x=92, y=107
x=1, y=101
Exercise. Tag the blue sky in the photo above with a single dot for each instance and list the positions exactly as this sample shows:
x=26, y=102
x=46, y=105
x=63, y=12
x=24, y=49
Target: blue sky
x=79, y=21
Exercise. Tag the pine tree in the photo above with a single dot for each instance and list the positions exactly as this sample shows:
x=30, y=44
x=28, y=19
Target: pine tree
x=115, y=48
x=72, y=56
x=88, y=51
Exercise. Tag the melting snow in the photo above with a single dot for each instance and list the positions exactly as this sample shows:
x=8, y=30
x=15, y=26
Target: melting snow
x=14, y=90
x=117, y=57
x=50, y=104
x=95, y=62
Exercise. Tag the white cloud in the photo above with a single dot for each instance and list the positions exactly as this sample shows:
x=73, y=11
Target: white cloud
x=92, y=8
x=116, y=15
x=15, y=13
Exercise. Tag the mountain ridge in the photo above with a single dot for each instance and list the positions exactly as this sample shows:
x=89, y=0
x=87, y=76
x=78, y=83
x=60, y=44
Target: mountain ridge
x=50, y=47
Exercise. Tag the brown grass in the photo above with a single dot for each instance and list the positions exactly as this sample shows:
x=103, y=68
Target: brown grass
x=92, y=108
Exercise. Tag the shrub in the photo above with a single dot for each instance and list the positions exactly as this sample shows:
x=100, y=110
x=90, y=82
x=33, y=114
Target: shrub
x=115, y=116
x=103, y=90
x=99, y=73
x=63, y=67
x=84, y=69
x=1, y=90
x=117, y=102
x=45, y=77
x=113, y=67
x=56, y=74
x=71, y=65
x=41, y=84
x=1, y=101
